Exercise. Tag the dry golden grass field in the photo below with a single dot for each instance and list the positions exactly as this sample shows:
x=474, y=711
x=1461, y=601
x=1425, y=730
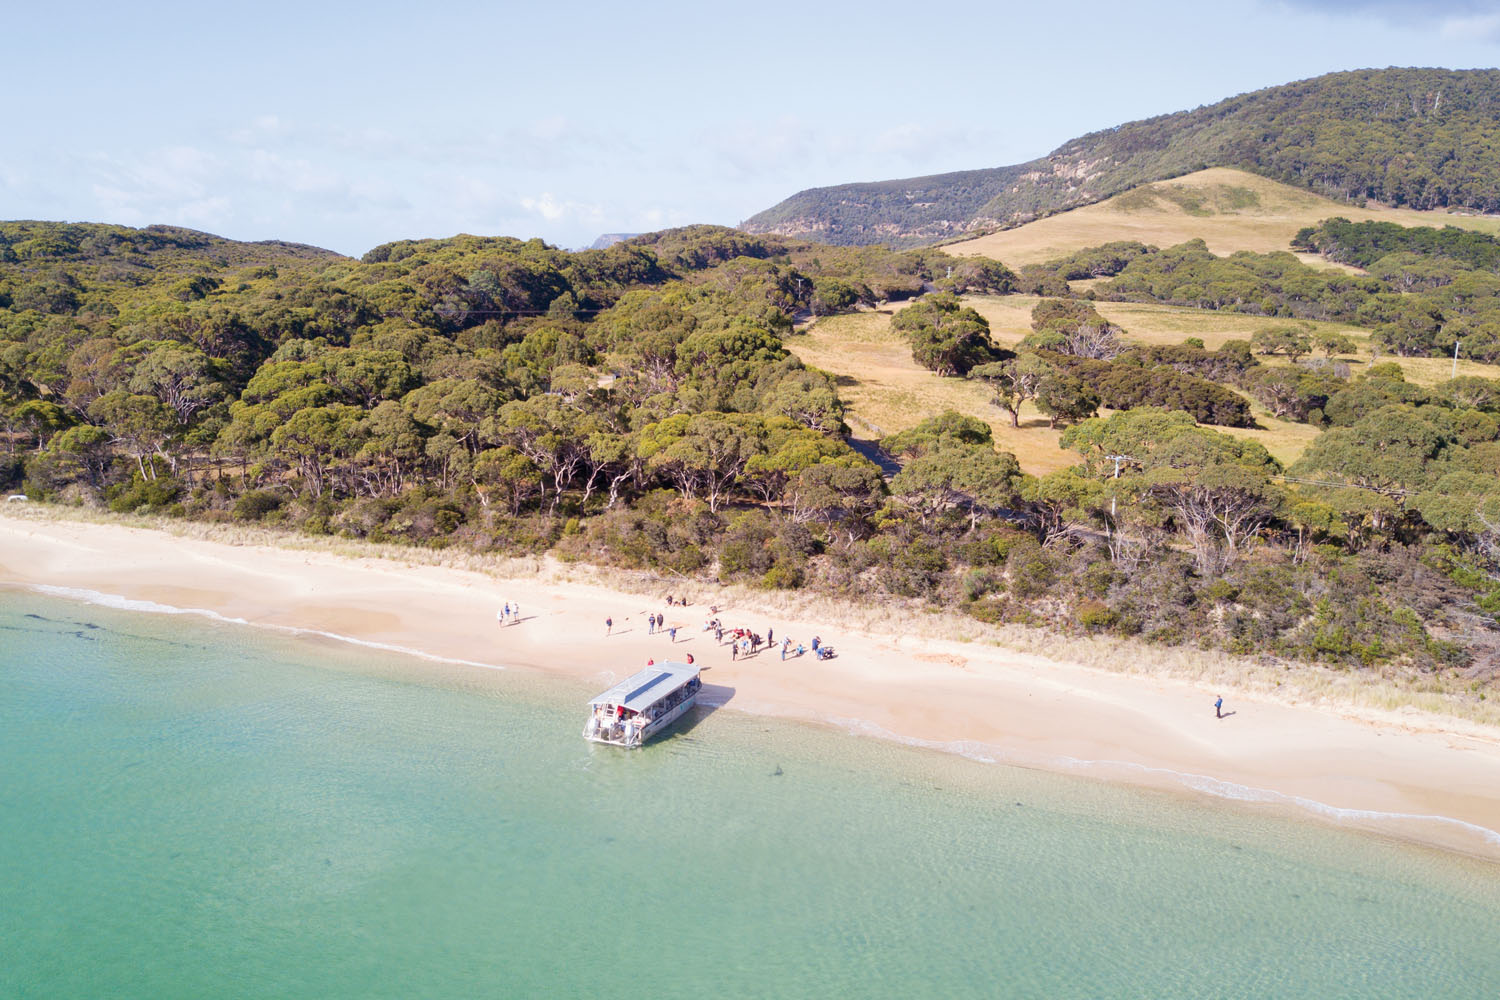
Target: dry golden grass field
x=1229, y=209
x=886, y=391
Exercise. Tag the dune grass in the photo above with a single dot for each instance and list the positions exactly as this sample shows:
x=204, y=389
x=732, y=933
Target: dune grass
x=1229, y=209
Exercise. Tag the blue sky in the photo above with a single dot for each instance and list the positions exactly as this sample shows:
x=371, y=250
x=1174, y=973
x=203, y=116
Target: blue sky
x=347, y=125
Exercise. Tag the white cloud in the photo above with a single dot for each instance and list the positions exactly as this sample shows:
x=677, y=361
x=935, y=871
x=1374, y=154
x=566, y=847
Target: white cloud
x=552, y=209
x=1454, y=20
x=1483, y=27
x=1405, y=9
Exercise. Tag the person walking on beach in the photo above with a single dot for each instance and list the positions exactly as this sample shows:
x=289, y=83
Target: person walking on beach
x=785, y=642
x=515, y=613
x=734, y=651
x=609, y=625
x=650, y=624
x=1219, y=707
x=673, y=633
x=770, y=636
x=500, y=617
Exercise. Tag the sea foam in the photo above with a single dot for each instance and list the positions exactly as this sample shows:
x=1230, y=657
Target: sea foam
x=987, y=753
x=121, y=603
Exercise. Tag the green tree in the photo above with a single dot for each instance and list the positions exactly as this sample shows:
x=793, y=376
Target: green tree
x=392, y=448
x=40, y=419
x=1332, y=343
x=140, y=424
x=838, y=494
x=808, y=397
x=1065, y=397
x=788, y=449
x=1293, y=341
x=507, y=472
x=946, y=337
x=1013, y=382
x=702, y=454
x=82, y=452
x=320, y=441
x=948, y=429
x=1216, y=488
x=180, y=377
x=975, y=478
x=1063, y=501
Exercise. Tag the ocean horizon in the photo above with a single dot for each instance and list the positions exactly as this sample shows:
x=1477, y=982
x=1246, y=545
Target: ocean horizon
x=193, y=807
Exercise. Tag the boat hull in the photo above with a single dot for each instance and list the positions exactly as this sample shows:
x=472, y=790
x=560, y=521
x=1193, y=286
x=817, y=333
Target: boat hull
x=622, y=735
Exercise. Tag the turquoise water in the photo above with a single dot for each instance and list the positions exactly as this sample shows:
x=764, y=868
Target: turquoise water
x=193, y=809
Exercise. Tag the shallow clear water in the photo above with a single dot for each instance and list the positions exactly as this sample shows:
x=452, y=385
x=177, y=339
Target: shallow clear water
x=191, y=809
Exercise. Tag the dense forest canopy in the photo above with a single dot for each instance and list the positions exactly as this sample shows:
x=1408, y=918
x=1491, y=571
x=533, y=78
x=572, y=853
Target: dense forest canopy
x=1419, y=138
x=638, y=405
x=1364, y=243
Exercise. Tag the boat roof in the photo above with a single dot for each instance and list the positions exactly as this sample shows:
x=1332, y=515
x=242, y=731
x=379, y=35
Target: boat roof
x=640, y=690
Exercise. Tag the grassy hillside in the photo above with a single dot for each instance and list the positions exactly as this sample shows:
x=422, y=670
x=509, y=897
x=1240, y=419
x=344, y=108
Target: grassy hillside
x=885, y=391
x=1414, y=138
x=1228, y=209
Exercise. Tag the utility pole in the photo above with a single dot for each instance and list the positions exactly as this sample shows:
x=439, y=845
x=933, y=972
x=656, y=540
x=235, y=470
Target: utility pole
x=1455, y=358
x=1117, y=459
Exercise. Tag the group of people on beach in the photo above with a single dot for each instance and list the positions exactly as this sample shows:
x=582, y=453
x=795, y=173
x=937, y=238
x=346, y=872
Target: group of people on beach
x=509, y=614
x=744, y=642
x=656, y=623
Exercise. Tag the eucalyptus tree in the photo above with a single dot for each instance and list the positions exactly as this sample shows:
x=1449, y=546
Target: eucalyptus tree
x=702, y=454
x=946, y=336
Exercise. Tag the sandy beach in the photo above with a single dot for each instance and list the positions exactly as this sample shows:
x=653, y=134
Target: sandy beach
x=1419, y=778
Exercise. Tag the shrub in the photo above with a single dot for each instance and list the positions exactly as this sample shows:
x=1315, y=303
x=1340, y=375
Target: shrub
x=144, y=494
x=256, y=504
x=782, y=577
x=1096, y=616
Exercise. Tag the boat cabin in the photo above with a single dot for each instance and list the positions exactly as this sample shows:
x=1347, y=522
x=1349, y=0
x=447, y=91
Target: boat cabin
x=642, y=704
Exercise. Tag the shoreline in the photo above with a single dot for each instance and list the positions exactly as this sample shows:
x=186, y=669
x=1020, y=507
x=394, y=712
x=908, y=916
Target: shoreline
x=1368, y=771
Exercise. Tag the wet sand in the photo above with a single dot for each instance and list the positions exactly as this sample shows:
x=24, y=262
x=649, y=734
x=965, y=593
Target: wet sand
x=1422, y=778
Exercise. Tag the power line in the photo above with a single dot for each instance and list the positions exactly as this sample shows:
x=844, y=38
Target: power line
x=1395, y=491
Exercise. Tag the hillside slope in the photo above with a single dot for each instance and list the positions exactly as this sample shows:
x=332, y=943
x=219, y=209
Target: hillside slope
x=1228, y=209
x=156, y=247
x=1415, y=138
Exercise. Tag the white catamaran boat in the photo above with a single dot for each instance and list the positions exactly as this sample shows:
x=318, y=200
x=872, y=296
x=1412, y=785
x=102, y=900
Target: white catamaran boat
x=642, y=705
